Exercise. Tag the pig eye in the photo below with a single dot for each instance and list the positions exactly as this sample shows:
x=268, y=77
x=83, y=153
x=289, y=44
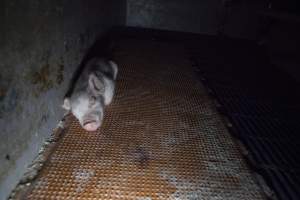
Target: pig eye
x=92, y=100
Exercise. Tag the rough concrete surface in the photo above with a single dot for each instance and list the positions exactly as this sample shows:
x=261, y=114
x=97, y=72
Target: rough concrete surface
x=42, y=43
x=190, y=16
x=234, y=18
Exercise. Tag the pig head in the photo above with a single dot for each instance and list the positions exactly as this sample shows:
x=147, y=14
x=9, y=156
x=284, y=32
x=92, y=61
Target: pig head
x=88, y=102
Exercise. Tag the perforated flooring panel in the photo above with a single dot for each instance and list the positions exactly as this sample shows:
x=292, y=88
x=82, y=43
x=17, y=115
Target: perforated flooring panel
x=262, y=103
x=161, y=139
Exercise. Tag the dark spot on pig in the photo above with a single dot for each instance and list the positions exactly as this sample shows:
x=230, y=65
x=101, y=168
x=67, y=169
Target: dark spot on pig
x=7, y=157
x=141, y=157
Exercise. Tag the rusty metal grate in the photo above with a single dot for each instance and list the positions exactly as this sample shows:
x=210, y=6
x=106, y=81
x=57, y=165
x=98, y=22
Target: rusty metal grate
x=161, y=139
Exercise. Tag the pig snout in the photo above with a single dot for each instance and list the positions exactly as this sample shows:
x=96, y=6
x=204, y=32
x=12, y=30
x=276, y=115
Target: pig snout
x=91, y=122
x=91, y=125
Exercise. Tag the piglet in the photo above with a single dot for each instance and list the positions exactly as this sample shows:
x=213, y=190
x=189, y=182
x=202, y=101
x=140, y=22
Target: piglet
x=92, y=92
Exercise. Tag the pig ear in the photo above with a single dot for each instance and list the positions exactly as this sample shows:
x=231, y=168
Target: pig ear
x=96, y=86
x=67, y=104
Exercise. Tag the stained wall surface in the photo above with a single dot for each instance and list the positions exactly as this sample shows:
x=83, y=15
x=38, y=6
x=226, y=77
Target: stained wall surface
x=41, y=44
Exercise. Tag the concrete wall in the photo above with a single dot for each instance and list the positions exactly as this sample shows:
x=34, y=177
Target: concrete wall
x=249, y=19
x=41, y=44
x=236, y=18
x=190, y=16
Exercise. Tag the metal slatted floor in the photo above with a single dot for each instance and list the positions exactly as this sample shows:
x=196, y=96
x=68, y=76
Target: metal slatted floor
x=263, y=105
x=161, y=139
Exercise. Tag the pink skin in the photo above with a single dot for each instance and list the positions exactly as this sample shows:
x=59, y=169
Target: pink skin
x=91, y=125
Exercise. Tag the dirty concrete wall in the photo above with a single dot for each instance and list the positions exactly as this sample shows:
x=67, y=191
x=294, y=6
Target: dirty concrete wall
x=249, y=19
x=190, y=16
x=41, y=44
x=235, y=18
